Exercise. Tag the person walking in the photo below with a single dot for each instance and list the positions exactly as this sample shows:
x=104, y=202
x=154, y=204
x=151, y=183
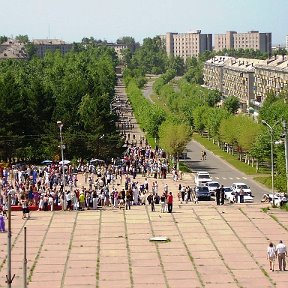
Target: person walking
x=170, y=202
x=281, y=252
x=271, y=255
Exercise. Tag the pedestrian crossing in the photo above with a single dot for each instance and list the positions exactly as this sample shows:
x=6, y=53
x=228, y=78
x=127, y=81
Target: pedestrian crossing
x=228, y=178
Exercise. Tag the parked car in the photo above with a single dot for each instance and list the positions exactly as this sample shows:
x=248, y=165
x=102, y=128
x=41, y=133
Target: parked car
x=202, y=177
x=212, y=186
x=227, y=192
x=202, y=193
x=247, y=198
x=237, y=186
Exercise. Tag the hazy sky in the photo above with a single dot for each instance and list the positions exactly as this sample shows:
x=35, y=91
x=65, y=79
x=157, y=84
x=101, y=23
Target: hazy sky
x=71, y=20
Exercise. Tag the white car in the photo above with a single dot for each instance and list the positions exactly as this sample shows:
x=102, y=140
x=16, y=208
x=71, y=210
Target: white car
x=227, y=192
x=232, y=198
x=237, y=186
x=212, y=186
x=202, y=177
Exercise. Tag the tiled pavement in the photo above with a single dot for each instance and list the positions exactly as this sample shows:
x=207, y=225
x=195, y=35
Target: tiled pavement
x=210, y=246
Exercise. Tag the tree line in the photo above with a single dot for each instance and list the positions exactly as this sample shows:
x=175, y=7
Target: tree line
x=76, y=88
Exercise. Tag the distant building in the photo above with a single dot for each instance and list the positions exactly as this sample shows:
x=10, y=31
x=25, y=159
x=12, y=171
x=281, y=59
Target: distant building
x=45, y=45
x=271, y=75
x=224, y=41
x=12, y=49
x=187, y=45
x=251, y=40
x=248, y=79
x=118, y=48
x=287, y=42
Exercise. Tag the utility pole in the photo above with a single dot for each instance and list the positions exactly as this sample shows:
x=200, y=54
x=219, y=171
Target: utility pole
x=25, y=260
x=9, y=279
x=286, y=152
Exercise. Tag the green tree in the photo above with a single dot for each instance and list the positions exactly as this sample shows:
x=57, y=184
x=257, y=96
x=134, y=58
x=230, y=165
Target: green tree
x=174, y=137
x=151, y=57
x=3, y=39
x=30, y=49
x=22, y=38
x=129, y=42
x=231, y=104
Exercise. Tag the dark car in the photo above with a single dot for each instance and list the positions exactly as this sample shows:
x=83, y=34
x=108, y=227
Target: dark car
x=202, y=193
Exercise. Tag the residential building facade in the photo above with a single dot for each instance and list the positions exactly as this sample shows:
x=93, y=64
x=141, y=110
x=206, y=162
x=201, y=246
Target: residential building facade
x=271, y=76
x=248, y=79
x=52, y=45
x=213, y=72
x=250, y=40
x=187, y=45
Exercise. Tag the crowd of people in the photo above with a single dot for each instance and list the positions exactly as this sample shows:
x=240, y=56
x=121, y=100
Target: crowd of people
x=105, y=185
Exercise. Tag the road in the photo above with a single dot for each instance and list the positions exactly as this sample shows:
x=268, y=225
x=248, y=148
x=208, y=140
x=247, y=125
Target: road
x=220, y=170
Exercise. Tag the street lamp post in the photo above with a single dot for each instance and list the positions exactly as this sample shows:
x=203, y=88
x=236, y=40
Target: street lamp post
x=272, y=158
x=286, y=152
x=60, y=125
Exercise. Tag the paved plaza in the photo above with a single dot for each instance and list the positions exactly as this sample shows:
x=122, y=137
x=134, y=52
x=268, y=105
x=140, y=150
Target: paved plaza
x=210, y=246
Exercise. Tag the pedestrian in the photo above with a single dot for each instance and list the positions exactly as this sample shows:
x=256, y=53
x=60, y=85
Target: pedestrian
x=281, y=252
x=153, y=203
x=241, y=195
x=217, y=194
x=222, y=194
x=2, y=223
x=81, y=201
x=25, y=209
x=271, y=255
x=170, y=202
x=163, y=202
x=129, y=198
x=183, y=189
x=94, y=200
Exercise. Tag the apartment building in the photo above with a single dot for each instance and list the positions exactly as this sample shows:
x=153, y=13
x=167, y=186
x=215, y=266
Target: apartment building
x=45, y=45
x=224, y=41
x=272, y=75
x=250, y=40
x=187, y=45
x=248, y=79
x=213, y=72
x=238, y=80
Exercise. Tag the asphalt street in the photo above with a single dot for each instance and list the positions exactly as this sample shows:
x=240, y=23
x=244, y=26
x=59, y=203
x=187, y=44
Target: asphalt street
x=220, y=170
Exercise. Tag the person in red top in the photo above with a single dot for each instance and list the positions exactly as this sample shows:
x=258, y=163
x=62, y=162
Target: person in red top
x=170, y=202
